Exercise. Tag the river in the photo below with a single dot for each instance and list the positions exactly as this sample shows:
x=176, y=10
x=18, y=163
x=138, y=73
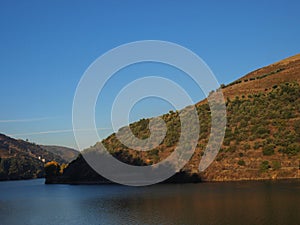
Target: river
x=32, y=202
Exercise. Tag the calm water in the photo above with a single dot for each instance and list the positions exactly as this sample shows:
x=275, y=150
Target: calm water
x=32, y=202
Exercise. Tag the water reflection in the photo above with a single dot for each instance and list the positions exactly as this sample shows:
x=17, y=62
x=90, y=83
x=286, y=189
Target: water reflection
x=32, y=202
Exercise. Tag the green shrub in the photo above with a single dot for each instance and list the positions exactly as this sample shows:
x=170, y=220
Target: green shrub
x=241, y=163
x=261, y=130
x=243, y=123
x=291, y=149
x=268, y=149
x=231, y=148
x=264, y=166
x=297, y=126
x=220, y=157
x=257, y=145
x=226, y=142
x=246, y=146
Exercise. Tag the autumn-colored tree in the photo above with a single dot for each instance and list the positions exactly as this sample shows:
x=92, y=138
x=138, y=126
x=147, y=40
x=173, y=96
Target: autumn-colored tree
x=62, y=168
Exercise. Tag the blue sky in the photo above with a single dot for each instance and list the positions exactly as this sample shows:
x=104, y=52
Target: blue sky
x=45, y=47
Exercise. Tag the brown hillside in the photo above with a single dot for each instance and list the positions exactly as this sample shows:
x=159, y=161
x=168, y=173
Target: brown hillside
x=286, y=70
x=20, y=159
x=66, y=153
x=262, y=138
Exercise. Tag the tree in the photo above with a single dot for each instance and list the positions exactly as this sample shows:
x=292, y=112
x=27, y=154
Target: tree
x=52, y=169
x=62, y=168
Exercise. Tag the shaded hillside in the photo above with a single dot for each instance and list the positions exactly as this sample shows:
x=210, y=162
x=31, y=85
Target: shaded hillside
x=68, y=154
x=23, y=160
x=262, y=139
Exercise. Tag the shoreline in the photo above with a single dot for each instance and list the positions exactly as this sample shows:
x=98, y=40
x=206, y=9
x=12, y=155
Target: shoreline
x=243, y=180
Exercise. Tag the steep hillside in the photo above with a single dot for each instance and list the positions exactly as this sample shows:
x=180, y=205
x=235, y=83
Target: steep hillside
x=68, y=154
x=265, y=78
x=23, y=160
x=262, y=139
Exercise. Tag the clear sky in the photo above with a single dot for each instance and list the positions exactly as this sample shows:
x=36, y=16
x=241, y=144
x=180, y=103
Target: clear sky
x=45, y=47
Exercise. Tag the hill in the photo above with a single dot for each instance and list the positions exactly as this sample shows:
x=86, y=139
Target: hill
x=23, y=160
x=262, y=138
x=68, y=154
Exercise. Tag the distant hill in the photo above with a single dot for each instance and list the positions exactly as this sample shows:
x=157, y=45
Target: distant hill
x=20, y=159
x=262, y=139
x=68, y=154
